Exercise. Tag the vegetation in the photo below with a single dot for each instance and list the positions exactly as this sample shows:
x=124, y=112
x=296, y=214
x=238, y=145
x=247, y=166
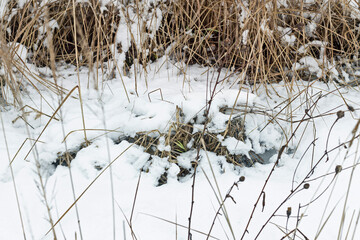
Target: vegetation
x=261, y=42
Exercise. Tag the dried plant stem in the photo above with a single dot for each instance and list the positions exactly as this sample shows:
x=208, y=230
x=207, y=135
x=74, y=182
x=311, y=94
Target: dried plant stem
x=110, y=170
x=227, y=196
x=356, y=161
x=78, y=73
x=273, y=169
x=197, y=158
x=302, y=182
x=44, y=195
x=60, y=100
x=193, y=194
x=92, y=182
x=13, y=178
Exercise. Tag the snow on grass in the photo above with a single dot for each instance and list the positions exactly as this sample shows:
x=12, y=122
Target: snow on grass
x=171, y=201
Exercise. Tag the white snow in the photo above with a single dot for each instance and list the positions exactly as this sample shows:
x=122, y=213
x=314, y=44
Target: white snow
x=304, y=119
x=171, y=201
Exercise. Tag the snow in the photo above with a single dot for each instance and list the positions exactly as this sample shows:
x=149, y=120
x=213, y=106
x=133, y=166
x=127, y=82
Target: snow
x=171, y=201
x=303, y=118
x=18, y=51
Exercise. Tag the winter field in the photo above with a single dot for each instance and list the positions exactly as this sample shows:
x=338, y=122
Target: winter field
x=149, y=146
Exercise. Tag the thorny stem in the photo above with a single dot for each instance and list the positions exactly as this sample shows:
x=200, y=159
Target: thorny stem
x=298, y=164
x=197, y=158
x=273, y=169
x=301, y=183
x=297, y=221
x=192, y=195
x=327, y=187
x=222, y=204
x=328, y=137
x=331, y=173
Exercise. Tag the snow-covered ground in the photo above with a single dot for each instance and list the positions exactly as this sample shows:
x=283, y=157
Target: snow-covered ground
x=161, y=212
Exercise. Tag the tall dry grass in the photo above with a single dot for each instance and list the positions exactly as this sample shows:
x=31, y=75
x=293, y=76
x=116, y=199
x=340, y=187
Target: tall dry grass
x=265, y=40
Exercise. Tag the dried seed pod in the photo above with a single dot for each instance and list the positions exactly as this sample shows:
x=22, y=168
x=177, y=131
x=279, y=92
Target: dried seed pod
x=351, y=108
x=306, y=186
x=340, y=114
x=227, y=42
x=299, y=26
x=338, y=169
x=263, y=202
x=288, y=212
x=242, y=178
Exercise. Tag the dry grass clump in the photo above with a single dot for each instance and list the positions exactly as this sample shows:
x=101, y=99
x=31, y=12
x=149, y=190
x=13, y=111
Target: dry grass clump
x=104, y=38
x=338, y=26
x=267, y=40
x=65, y=158
x=183, y=137
x=76, y=32
x=214, y=32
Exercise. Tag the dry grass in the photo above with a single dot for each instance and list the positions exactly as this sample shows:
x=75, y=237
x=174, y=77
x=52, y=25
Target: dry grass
x=265, y=38
x=81, y=27
x=182, y=137
x=265, y=41
x=268, y=41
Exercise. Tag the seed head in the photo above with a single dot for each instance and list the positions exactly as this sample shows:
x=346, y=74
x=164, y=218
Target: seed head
x=299, y=26
x=338, y=169
x=351, y=108
x=288, y=212
x=340, y=114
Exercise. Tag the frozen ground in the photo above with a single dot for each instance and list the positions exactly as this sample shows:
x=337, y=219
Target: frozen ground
x=162, y=212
